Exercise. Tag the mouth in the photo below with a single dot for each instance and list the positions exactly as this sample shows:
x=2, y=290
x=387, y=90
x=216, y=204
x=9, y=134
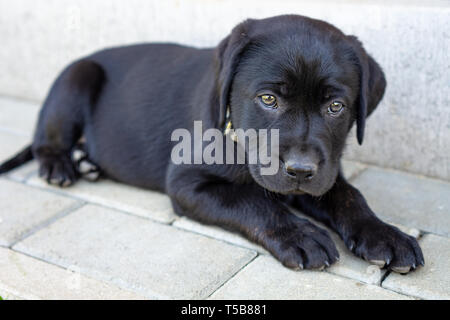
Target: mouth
x=301, y=189
x=297, y=191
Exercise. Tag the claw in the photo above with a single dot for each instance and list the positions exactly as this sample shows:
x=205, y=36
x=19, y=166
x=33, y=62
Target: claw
x=351, y=245
x=401, y=269
x=379, y=263
x=66, y=183
x=319, y=268
x=55, y=181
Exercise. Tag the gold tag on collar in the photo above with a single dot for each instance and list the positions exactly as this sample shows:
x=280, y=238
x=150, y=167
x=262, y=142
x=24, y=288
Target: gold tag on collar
x=227, y=128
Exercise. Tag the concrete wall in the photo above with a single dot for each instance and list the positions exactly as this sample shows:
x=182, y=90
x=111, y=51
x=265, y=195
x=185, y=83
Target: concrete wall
x=410, y=130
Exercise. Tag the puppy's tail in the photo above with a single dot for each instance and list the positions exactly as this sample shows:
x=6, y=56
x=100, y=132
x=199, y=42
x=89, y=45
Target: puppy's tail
x=19, y=159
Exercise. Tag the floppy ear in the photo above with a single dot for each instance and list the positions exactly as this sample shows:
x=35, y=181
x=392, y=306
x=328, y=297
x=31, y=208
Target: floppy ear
x=371, y=88
x=227, y=57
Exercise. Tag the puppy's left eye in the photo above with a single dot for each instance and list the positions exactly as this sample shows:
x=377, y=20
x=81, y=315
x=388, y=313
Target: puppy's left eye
x=335, y=107
x=269, y=100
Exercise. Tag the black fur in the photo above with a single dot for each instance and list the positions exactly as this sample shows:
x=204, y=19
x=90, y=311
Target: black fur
x=19, y=159
x=125, y=102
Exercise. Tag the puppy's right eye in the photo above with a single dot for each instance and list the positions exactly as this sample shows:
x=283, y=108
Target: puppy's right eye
x=268, y=100
x=335, y=107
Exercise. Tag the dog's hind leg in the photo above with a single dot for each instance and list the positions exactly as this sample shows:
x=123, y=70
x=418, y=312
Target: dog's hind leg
x=87, y=168
x=62, y=118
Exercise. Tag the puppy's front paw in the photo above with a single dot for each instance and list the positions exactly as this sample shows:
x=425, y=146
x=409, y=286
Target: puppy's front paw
x=300, y=244
x=385, y=246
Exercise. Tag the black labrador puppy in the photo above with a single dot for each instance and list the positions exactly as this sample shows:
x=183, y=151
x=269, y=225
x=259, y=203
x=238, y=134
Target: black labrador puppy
x=296, y=74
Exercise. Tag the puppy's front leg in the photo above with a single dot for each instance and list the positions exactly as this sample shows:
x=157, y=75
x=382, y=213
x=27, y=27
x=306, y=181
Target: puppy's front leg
x=245, y=208
x=345, y=210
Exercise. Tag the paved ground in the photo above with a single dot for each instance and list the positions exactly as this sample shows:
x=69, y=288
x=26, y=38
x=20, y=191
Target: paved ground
x=106, y=240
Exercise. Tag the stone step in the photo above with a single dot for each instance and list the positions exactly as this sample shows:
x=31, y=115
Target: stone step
x=24, y=277
x=24, y=209
x=151, y=259
x=407, y=199
x=265, y=278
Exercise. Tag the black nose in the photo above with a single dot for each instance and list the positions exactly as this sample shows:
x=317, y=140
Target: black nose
x=303, y=171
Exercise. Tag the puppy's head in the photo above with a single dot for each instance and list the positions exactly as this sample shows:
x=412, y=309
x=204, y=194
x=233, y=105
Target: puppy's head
x=305, y=78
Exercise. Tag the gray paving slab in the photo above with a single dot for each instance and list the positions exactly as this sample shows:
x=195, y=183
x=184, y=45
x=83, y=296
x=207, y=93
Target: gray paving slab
x=431, y=281
x=11, y=144
x=352, y=168
x=18, y=116
x=407, y=199
x=152, y=259
x=24, y=208
x=23, y=277
x=22, y=173
x=145, y=203
x=217, y=233
x=5, y=295
x=265, y=278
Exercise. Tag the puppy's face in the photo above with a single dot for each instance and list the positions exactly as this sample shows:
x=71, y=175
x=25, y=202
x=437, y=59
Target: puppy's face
x=306, y=85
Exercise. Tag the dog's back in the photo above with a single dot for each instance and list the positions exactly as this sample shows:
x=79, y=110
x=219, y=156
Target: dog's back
x=148, y=92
